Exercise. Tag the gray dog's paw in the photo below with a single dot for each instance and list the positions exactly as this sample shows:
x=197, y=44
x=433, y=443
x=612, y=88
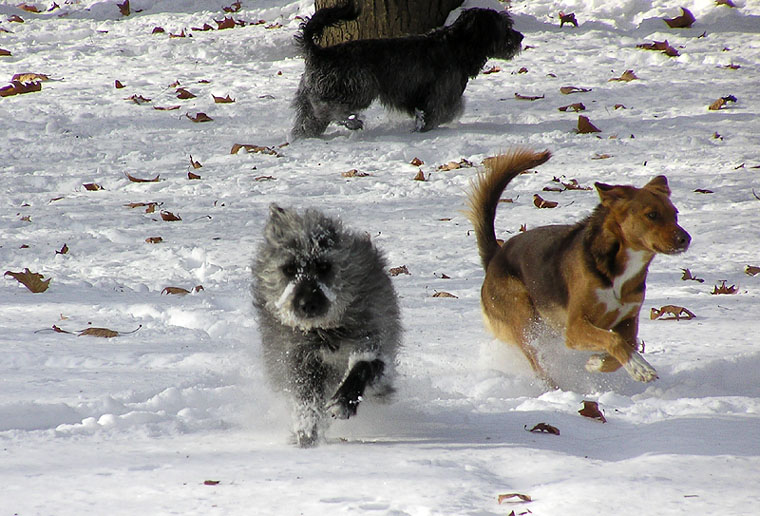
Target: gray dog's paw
x=341, y=407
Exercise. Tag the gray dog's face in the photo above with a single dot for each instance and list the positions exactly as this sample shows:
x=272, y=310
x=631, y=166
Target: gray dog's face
x=298, y=269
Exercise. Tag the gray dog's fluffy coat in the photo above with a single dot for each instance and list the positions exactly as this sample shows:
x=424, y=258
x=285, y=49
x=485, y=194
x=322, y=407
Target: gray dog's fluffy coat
x=328, y=317
x=422, y=75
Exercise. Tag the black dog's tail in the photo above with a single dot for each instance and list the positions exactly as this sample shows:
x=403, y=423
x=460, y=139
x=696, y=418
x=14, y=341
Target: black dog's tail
x=486, y=191
x=313, y=27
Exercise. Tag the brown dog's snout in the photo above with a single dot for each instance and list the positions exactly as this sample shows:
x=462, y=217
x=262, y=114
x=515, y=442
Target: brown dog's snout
x=682, y=240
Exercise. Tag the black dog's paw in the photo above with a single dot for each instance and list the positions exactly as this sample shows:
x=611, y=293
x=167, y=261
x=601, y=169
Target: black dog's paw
x=343, y=407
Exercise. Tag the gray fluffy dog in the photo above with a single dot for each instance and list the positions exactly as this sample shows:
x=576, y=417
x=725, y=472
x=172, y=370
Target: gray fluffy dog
x=328, y=317
x=421, y=75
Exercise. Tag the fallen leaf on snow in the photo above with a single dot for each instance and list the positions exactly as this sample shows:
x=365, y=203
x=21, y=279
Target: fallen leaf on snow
x=544, y=428
x=591, y=410
x=752, y=270
x=492, y=69
x=254, y=148
x=183, y=94
x=721, y=102
x=154, y=240
x=195, y=164
x=578, y=106
x=64, y=250
x=31, y=280
x=199, y=117
x=124, y=8
x=567, y=18
x=627, y=76
x=417, y=162
x=664, y=46
x=684, y=21
x=444, y=294
x=139, y=180
x=723, y=289
x=539, y=202
x=528, y=97
x=169, y=216
x=402, y=269
x=519, y=496
x=18, y=88
x=92, y=187
x=354, y=173
x=676, y=312
x=4, y=52
x=420, y=176
x=567, y=90
x=687, y=275
x=138, y=99
x=223, y=100
x=585, y=126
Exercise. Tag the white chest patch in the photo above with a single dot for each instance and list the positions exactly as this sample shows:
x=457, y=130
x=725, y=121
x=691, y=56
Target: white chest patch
x=611, y=297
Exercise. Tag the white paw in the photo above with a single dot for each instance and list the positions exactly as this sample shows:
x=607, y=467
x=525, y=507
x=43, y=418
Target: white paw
x=639, y=369
x=595, y=362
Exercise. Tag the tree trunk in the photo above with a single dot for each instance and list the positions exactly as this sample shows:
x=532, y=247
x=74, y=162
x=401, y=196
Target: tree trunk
x=387, y=19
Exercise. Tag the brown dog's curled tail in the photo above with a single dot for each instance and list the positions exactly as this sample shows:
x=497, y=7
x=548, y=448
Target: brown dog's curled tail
x=486, y=190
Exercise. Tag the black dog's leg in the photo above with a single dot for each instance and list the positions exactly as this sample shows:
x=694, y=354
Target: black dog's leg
x=347, y=397
x=307, y=379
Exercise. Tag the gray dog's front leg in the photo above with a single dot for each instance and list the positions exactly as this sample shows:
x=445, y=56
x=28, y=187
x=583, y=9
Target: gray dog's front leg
x=347, y=397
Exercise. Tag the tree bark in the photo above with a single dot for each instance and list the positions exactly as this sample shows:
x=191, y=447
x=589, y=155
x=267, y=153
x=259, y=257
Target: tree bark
x=387, y=19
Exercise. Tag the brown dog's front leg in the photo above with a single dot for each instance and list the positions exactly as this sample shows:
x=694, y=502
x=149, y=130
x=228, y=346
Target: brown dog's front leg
x=581, y=334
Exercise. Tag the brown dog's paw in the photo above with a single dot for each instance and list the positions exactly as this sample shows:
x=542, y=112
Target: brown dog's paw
x=639, y=369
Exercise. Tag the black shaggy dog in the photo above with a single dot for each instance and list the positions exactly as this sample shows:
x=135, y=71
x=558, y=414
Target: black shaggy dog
x=422, y=75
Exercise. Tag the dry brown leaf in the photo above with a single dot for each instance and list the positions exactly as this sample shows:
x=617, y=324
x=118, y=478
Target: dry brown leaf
x=676, y=312
x=721, y=102
x=454, y=165
x=138, y=99
x=223, y=100
x=687, y=275
x=150, y=207
x=519, y=496
x=18, y=88
x=177, y=291
x=703, y=191
x=522, y=70
x=226, y=23
x=417, y=162
x=169, y=216
x=30, y=77
x=492, y=69
x=752, y=270
x=402, y=269
x=543, y=203
x=727, y=3
x=211, y=482
x=195, y=164
x=118, y=84
x=158, y=30
x=199, y=117
x=139, y=180
x=528, y=97
x=567, y=90
x=233, y=8
x=354, y=173
x=154, y=240
x=591, y=410
x=664, y=46
x=585, y=126
x=64, y=250
x=420, y=176
x=254, y=148
x=166, y=108
x=180, y=35
x=4, y=52
x=578, y=106
x=206, y=27
x=15, y=18
x=92, y=187
x=627, y=76
x=103, y=333
x=191, y=175
x=265, y=178
x=28, y=8
x=124, y=8
x=276, y=25
x=445, y=294
x=567, y=18
x=183, y=94
x=31, y=280
x=684, y=21
x=723, y=289
x=544, y=428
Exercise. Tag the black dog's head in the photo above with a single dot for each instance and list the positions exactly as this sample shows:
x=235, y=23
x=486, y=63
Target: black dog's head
x=488, y=33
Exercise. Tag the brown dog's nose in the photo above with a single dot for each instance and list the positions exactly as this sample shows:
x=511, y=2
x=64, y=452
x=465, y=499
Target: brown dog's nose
x=682, y=240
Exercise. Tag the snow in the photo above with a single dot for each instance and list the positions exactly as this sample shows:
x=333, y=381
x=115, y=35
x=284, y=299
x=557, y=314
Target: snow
x=138, y=423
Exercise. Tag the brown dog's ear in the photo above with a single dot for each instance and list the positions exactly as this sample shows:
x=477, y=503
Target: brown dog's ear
x=611, y=193
x=659, y=184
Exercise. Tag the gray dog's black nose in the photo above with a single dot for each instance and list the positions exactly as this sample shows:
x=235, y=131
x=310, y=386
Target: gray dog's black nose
x=310, y=301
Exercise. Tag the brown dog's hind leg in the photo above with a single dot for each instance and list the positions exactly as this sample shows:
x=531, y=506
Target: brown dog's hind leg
x=510, y=316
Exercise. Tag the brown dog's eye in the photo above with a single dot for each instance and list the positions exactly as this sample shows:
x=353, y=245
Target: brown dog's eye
x=653, y=215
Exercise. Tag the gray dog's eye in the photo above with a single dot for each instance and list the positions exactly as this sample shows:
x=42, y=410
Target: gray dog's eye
x=290, y=270
x=323, y=267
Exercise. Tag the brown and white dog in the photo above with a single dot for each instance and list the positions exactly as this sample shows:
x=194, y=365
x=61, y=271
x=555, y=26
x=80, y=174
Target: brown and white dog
x=585, y=280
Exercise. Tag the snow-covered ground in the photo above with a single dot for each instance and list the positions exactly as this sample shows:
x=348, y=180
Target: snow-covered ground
x=177, y=418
